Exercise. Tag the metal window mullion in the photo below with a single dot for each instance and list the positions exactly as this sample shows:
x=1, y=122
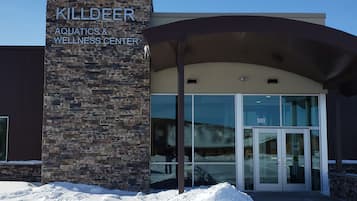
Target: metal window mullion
x=215, y=163
x=193, y=139
x=164, y=163
x=239, y=142
x=281, y=110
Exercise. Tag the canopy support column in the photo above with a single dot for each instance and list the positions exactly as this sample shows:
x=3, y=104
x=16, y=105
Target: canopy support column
x=180, y=115
x=338, y=133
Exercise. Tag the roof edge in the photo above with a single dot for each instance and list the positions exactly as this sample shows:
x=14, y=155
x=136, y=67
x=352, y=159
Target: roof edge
x=268, y=14
x=21, y=46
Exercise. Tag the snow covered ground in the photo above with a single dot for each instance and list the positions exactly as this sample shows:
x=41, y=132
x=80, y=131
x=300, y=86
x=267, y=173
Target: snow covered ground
x=63, y=191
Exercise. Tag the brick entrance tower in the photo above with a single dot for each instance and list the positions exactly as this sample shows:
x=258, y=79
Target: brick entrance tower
x=96, y=127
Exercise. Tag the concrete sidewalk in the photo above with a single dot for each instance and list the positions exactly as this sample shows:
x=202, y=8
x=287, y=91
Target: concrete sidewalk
x=288, y=196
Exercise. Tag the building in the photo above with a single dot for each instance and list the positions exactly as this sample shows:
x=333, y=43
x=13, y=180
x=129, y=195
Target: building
x=265, y=101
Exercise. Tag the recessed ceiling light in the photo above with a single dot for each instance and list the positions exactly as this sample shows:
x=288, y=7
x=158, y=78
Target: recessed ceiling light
x=243, y=78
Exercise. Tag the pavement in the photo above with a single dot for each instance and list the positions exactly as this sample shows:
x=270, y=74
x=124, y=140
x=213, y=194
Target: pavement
x=289, y=196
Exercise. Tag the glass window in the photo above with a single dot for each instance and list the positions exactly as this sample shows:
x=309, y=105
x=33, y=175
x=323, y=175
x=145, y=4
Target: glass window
x=300, y=110
x=3, y=137
x=214, y=140
x=214, y=128
x=163, y=176
x=315, y=160
x=208, y=174
x=163, y=128
x=268, y=157
x=248, y=159
x=261, y=110
x=295, y=158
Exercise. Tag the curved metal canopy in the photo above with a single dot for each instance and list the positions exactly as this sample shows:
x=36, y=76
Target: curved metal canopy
x=320, y=53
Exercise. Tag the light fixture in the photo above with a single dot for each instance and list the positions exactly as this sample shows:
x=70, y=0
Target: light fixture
x=272, y=81
x=243, y=78
x=146, y=52
x=191, y=81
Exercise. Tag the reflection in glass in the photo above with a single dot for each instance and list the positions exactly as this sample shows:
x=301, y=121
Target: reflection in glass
x=295, y=159
x=261, y=110
x=212, y=174
x=3, y=135
x=248, y=159
x=315, y=160
x=214, y=128
x=161, y=178
x=268, y=158
x=300, y=110
x=163, y=128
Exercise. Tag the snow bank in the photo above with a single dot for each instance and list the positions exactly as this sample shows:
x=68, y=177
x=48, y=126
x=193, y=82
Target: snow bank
x=63, y=191
x=219, y=192
x=9, y=187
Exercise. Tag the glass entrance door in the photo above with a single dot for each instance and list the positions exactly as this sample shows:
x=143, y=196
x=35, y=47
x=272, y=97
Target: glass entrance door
x=296, y=160
x=281, y=160
x=267, y=160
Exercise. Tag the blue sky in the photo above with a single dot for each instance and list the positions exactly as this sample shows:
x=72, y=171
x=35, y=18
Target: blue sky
x=22, y=22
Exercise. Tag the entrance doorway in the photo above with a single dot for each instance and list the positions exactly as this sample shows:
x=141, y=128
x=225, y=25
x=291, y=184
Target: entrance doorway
x=281, y=159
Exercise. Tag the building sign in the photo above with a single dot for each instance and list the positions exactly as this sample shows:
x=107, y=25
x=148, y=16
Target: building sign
x=93, y=35
x=121, y=14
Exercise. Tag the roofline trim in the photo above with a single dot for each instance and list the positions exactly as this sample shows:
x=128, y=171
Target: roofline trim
x=203, y=14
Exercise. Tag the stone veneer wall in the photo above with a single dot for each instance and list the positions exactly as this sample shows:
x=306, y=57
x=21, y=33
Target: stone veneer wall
x=96, y=127
x=18, y=172
x=343, y=186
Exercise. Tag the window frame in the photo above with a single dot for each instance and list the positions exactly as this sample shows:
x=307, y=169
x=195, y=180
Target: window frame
x=239, y=128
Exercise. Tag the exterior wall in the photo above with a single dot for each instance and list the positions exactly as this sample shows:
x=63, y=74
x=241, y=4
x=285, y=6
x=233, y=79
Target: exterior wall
x=225, y=78
x=20, y=172
x=21, y=86
x=348, y=126
x=96, y=103
x=165, y=18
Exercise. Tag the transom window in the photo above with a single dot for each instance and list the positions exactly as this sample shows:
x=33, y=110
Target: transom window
x=261, y=110
x=300, y=111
